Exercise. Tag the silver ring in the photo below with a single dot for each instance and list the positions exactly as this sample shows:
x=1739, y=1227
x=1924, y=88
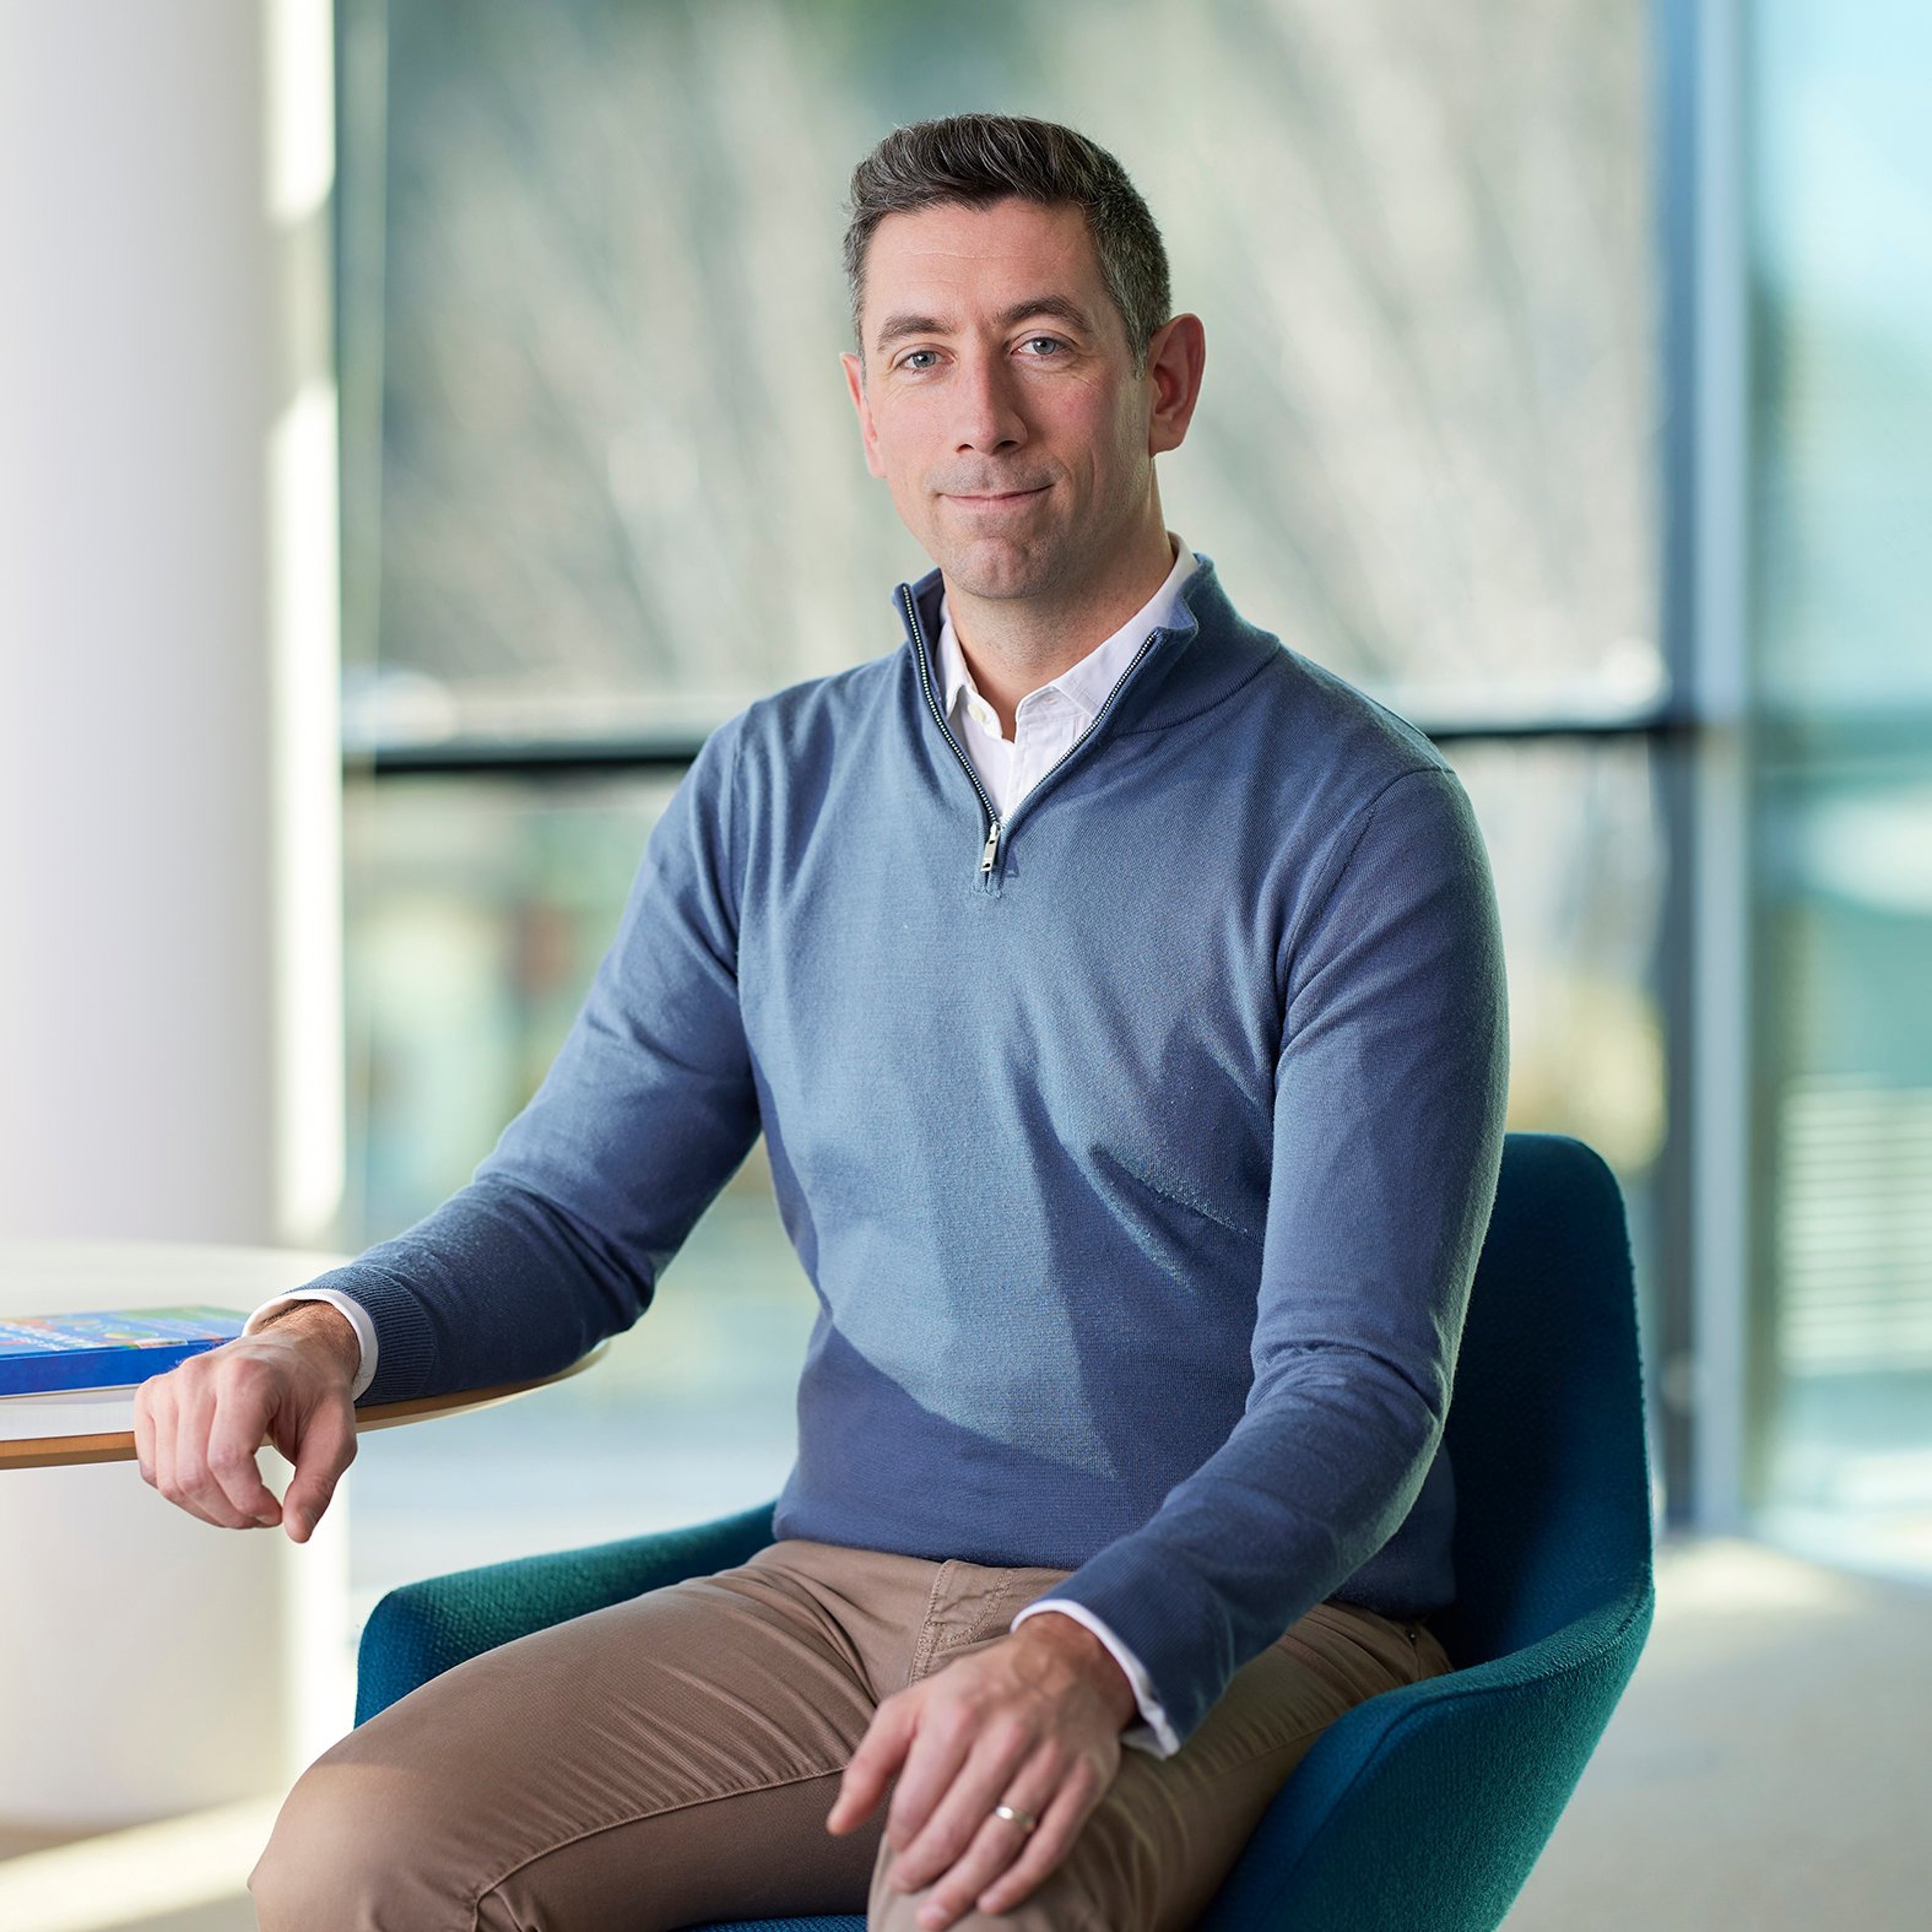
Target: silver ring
x=1026, y=1821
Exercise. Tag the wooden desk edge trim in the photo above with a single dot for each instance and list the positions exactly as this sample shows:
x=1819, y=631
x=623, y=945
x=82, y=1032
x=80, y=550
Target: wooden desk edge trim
x=54, y=1452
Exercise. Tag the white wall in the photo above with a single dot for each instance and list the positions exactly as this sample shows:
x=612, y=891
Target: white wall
x=170, y=1022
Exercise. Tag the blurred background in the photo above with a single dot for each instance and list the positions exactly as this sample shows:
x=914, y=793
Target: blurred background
x=422, y=424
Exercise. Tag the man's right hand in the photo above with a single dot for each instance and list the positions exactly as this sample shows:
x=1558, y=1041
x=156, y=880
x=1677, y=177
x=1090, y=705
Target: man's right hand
x=197, y=1428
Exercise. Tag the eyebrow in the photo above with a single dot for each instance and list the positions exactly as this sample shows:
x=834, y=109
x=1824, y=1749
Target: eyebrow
x=895, y=326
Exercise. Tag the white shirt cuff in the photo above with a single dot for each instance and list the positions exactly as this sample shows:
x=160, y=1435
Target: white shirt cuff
x=358, y=1319
x=1155, y=1735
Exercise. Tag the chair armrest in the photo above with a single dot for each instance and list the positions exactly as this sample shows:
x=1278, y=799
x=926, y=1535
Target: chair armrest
x=1428, y=1805
x=421, y=1629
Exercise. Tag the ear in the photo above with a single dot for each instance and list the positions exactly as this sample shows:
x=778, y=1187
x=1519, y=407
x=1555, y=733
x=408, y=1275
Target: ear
x=868, y=429
x=1176, y=354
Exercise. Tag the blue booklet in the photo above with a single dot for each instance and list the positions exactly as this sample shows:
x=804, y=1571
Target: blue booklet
x=110, y=1348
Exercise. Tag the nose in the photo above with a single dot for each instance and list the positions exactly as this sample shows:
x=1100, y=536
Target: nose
x=989, y=420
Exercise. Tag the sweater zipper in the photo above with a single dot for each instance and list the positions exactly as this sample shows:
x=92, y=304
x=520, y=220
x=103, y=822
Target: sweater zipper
x=995, y=825
x=932, y=703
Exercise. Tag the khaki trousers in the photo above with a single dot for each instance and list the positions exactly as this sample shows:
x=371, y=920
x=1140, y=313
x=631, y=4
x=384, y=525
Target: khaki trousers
x=670, y=1761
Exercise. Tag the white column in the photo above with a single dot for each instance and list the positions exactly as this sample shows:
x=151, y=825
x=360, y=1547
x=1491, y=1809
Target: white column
x=169, y=871
x=169, y=1017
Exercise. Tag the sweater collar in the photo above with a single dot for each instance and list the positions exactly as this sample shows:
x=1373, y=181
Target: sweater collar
x=1085, y=684
x=1208, y=651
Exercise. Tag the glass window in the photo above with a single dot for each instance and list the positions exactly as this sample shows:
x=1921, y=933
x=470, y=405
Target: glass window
x=1576, y=838
x=621, y=491
x=1842, y=356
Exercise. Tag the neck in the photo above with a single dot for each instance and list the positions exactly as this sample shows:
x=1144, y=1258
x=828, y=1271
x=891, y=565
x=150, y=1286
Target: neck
x=1013, y=645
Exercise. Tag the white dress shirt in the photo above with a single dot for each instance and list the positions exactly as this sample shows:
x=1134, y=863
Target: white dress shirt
x=1046, y=724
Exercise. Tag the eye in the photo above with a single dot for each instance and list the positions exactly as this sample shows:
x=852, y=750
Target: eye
x=1052, y=341
x=906, y=360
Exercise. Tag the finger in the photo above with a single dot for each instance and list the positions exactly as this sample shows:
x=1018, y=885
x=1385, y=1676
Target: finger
x=196, y=1489
x=154, y=1437
x=241, y=1401
x=1004, y=1745
x=144, y=1431
x=196, y=1509
x=326, y=1447
x=166, y=1422
x=167, y=1419
x=880, y=1752
x=1060, y=1824
x=993, y=1843
x=945, y=1735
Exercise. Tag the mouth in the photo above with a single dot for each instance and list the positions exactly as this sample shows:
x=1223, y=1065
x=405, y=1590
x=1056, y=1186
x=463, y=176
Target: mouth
x=998, y=500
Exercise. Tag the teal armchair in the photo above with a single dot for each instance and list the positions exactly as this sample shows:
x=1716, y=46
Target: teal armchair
x=1424, y=1809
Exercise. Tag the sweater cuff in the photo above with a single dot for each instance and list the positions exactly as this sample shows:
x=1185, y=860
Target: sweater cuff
x=358, y=1319
x=1155, y=1735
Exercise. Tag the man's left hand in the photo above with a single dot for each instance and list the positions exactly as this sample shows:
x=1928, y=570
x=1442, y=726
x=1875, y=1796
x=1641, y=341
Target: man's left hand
x=1033, y=1722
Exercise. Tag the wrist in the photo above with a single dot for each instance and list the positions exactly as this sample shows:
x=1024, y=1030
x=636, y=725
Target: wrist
x=1095, y=1661
x=322, y=1324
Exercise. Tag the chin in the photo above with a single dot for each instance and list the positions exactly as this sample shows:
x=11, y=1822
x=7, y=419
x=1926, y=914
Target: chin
x=997, y=567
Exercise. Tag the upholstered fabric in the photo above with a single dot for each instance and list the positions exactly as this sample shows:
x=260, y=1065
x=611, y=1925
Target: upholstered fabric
x=849, y=1922
x=420, y=1631
x=1424, y=1809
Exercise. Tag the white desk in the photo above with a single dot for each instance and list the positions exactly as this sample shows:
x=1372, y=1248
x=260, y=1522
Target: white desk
x=156, y=1664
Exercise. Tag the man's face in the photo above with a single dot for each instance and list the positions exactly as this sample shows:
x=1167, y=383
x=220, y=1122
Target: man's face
x=999, y=400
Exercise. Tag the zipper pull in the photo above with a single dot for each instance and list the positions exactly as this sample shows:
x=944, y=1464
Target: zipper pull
x=992, y=846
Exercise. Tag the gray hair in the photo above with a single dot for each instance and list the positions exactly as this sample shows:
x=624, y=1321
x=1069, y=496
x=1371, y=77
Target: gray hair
x=976, y=160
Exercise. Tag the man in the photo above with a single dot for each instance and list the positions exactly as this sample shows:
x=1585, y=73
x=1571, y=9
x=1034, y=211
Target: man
x=1121, y=998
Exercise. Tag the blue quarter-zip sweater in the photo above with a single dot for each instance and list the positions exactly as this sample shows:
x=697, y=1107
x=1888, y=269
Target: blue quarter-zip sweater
x=1139, y=1148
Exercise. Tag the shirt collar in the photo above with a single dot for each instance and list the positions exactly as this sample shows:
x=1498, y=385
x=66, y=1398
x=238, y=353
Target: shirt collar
x=1085, y=684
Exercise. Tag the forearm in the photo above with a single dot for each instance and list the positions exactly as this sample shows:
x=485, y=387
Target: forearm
x=495, y=1285
x=1311, y=1483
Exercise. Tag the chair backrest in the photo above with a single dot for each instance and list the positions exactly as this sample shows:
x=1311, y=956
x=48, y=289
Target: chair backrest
x=1546, y=1430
